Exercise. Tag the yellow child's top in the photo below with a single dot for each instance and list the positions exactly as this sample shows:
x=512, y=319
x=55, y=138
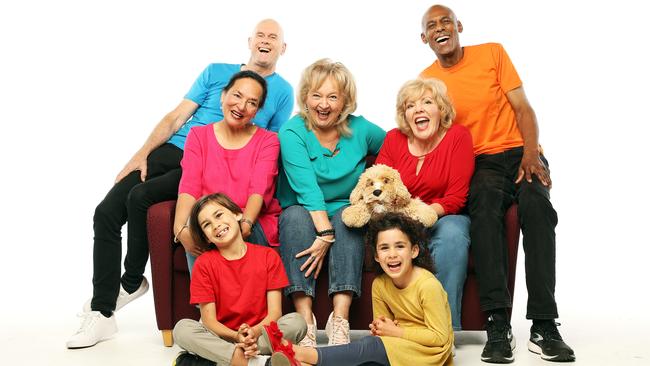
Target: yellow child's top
x=422, y=311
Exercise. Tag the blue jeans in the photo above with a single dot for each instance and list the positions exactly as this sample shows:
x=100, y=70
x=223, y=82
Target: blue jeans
x=344, y=260
x=449, y=245
x=257, y=237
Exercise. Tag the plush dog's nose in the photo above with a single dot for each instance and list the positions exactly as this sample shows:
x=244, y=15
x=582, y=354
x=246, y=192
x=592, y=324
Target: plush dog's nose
x=376, y=192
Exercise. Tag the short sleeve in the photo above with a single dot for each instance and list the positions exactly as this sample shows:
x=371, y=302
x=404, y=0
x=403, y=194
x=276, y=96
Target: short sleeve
x=277, y=276
x=199, y=90
x=201, y=290
x=506, y=73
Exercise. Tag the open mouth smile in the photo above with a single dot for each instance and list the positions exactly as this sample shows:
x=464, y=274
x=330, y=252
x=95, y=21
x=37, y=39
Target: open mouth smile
x=222, y=232
x=442, y=39
x=421, y=123
x=394, y=266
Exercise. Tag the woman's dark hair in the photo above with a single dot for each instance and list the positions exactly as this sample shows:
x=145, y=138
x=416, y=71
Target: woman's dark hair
x=194, y=224
x=413, y=230
x=250, y=75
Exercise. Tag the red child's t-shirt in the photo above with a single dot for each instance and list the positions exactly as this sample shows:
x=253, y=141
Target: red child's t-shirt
x=237, y=287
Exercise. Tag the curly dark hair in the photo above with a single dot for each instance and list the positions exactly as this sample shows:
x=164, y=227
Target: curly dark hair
x=414, y=230
x=195, y=227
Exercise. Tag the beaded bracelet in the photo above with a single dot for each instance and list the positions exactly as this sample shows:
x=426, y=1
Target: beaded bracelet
x=325, y=232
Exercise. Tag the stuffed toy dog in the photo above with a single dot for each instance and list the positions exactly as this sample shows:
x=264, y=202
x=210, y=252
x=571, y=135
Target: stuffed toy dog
x=380, y=189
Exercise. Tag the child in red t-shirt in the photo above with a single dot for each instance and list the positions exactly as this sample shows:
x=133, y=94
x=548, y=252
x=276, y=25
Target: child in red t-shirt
x=238, y=288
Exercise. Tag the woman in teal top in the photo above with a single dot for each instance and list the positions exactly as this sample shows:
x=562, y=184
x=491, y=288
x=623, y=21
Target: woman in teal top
x=323, y=152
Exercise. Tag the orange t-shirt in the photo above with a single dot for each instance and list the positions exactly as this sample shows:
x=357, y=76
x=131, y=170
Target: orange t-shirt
x=477, y=86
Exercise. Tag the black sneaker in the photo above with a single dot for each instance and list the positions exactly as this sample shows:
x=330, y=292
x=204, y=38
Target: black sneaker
x=546, y=341
x=187, y=359
x=500, y=342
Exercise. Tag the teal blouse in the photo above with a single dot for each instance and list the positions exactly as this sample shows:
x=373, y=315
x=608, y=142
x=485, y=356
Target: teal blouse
x=312, y=176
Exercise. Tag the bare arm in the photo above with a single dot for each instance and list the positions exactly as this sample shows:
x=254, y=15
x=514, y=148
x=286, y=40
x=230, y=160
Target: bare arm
x=251, y=212
x=531, y=164
x=181, y=231
x=209, y=320
x=274, y=308
x=440, y=211
x=170, y=123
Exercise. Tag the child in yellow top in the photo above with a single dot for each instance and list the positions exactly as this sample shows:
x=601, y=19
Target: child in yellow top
x=412, y=322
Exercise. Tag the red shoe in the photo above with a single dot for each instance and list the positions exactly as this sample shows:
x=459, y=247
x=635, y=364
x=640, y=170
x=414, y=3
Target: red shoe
x=283, y=354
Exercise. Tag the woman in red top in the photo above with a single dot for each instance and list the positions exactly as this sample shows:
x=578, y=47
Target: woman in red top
x=435, y=161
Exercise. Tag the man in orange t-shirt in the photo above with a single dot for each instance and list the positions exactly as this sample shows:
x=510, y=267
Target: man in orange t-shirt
x=490, y=101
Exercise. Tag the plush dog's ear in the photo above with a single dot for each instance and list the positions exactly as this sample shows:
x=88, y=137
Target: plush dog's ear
x=402, y=195
x=356, y=195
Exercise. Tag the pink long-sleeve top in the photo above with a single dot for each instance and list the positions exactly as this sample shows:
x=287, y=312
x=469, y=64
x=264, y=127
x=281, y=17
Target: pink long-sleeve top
x=209, y=168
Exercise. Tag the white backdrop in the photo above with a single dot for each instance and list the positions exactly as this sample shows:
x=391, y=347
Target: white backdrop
x=82, y=83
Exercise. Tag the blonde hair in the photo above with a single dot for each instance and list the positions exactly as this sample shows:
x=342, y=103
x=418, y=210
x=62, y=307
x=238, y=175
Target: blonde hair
x=314, y=76
x=413, y=90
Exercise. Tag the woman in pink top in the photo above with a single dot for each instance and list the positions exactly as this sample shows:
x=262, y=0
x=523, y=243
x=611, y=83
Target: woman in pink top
x=234, y=157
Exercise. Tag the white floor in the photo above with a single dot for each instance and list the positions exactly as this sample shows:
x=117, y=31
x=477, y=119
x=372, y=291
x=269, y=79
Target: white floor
x=602, y=340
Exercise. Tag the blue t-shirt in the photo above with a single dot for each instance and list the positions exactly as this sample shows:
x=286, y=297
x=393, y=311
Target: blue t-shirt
x=315, y=178
x=206, y=92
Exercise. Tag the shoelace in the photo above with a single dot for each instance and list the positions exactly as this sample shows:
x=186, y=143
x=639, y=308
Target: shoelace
x=339, y=331
x=89, y=319
x=549, y=331
x=497, y=331
x=310, y=338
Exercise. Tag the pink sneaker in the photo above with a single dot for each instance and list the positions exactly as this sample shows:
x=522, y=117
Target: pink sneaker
x=337, y=330
x=310, y=337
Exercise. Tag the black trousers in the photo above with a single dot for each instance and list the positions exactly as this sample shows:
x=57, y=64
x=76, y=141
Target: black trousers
x=128, y=201
x=492, y=191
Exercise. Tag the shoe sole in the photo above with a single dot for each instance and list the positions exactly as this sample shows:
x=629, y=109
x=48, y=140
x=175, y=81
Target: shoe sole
x=278, y=359
x=502, y=360
x=534, y=348
x=513, y=345
x=72, y=346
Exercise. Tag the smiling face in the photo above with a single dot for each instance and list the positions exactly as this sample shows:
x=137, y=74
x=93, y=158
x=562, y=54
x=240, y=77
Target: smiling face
x=395, y=254
x=440, y=31
x=219, y=225
x=325, y=104
x=266, y=44
x=240, y=103
x=423, y=116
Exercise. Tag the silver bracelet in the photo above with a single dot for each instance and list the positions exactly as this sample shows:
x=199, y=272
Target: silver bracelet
x=330, y=241
x=179, y=233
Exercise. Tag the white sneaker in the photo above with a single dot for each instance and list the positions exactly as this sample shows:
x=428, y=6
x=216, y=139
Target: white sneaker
x=310, y=336
x=124, y=297
x=337, y=330
x=94, y=328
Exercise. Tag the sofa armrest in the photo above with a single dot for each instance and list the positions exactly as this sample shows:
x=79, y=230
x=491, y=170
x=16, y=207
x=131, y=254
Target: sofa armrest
x=160, y=221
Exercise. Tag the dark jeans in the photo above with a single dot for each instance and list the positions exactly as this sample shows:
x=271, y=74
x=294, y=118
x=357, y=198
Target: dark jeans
x=492, y=191
x=368, y=351
x=129, y=200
